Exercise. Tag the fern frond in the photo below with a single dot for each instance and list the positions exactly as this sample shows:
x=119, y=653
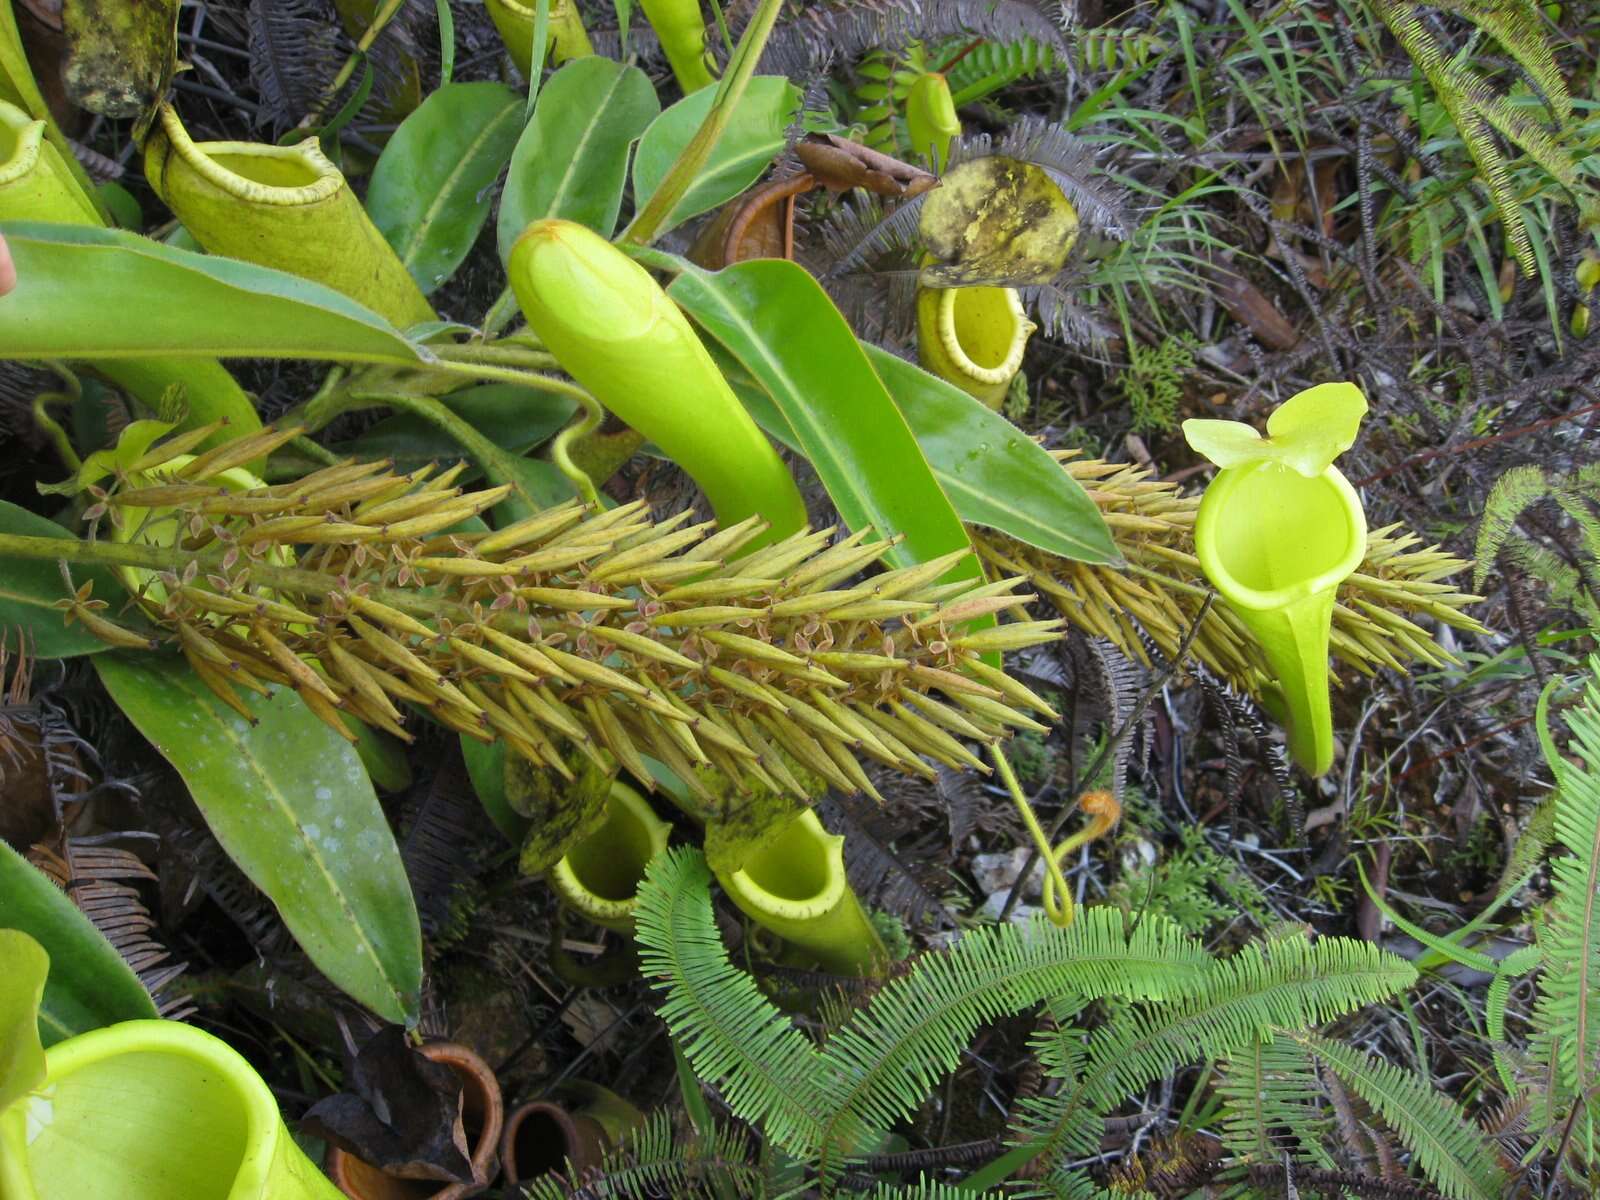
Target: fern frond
x=1272, y=1101
x=996, y=65
x=1516, y=491
x=887, y=1059
x=1518, y=26
x=925, y=1189
x=1290, y=983
x=730, y=1033
x=1477, y=110
x=294, y=52
x=1567, y=1015
x=655, y=1161
x=91, y=877
x=1454, y=1154
x=1064, y=1183
x=848, y=28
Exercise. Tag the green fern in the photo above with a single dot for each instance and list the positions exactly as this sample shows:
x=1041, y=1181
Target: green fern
x=1567, y=1014
x=992, y=66
x=1273, y=1102
x=1479, y=112
x=887, y=1060
x=925, y=1189
x=726, y=1028
x=1518, y=490
x=880, y=1066
x=1454, y=1154
x=655, y=1161
x=1291, y=983
x=1513, y=494
x=1152, y=382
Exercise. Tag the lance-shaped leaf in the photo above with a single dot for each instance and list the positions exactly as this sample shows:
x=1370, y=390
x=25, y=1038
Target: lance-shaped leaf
x=432, y=187
x=753, y=138
x=151, y=299
x=572, y=159
x=777, y=321
x=994, y=474
x=290, y=802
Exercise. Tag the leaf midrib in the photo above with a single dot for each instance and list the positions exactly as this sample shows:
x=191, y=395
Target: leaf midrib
x=280, y=802
x=414, y=244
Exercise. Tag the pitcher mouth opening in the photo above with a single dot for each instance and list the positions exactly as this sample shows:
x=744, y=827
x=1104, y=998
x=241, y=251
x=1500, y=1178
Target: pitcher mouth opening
x=280, y=176
x=1268, y=536
x=207, y=1095
x=985, y=331
x=795, y=875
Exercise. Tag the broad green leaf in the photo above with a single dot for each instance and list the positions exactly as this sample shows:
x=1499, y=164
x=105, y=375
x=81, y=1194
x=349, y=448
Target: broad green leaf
x=85, y=293
x=1008, y=489
x=515, y=418
x=29, y=587
x=89, y=984
x=994, y=474
x=572, y=159
x=21, y=992
x=432, y=188
x=753, y=138
x=291, y=804
x=1306, y=432
x=778, y=322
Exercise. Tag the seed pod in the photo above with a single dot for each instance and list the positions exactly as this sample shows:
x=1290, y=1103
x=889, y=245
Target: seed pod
x=616, y=332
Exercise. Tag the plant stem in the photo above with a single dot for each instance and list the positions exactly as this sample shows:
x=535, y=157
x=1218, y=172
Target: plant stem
x=172, y=558
x=498, y=354
x=1061, y=914
x=648, y=222
x=501, y=374
x=107, y=554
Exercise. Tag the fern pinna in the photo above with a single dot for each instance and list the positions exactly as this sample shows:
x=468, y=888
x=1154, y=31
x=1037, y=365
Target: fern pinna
x=829, y=1105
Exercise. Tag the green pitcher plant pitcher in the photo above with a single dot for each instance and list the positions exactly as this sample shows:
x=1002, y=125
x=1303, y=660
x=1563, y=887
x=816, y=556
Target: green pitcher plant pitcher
x=37, y=184
x=164, y=1109
x=599, y=876
x=568, y=38
x=1278, y=530
x=282, y=207
x=795, y=886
